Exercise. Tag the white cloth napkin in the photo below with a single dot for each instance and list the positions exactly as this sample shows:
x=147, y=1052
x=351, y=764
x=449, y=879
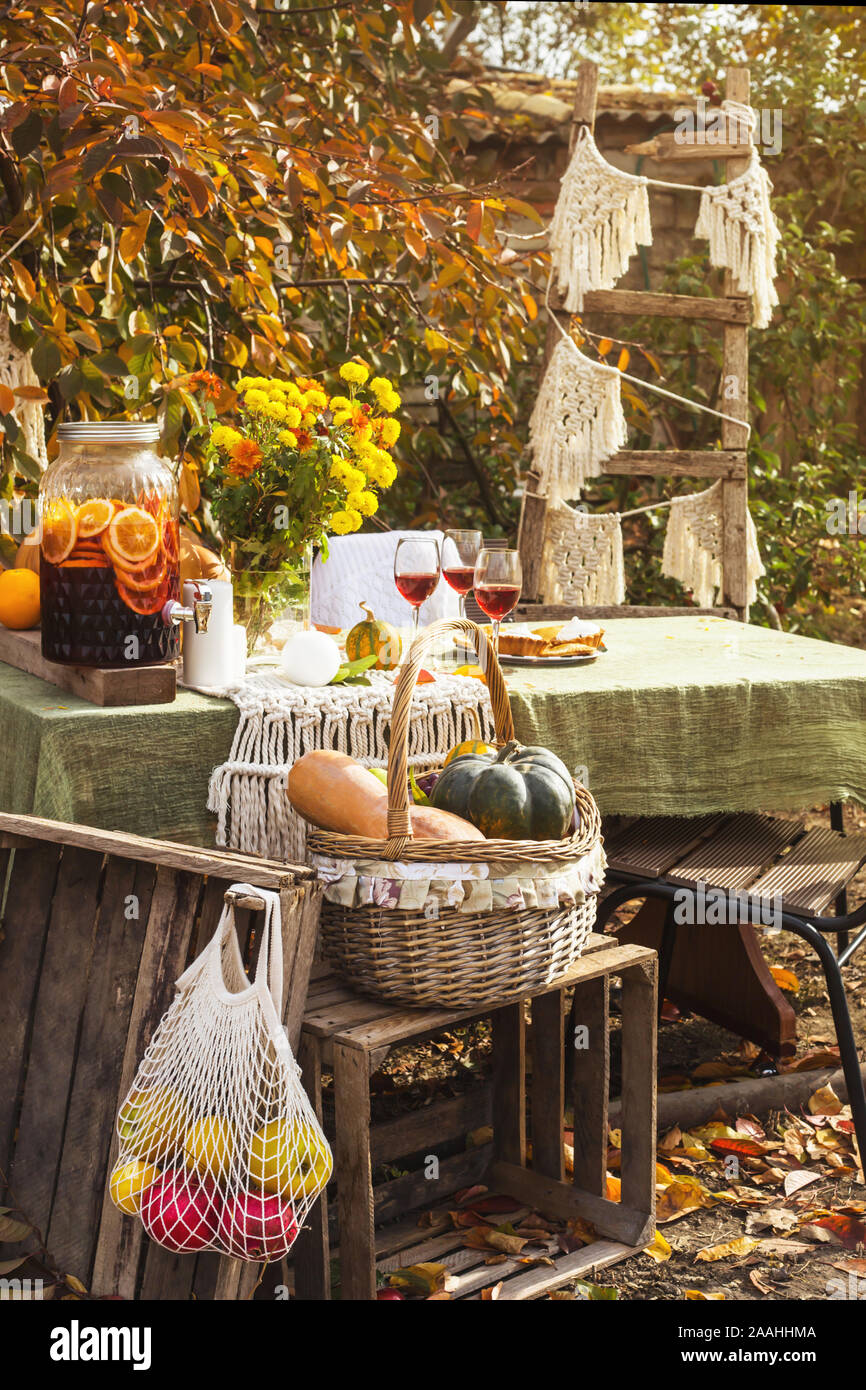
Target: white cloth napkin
x=362, y=567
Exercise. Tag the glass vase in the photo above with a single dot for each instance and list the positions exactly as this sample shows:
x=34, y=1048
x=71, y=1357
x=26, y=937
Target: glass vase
x=270, y=604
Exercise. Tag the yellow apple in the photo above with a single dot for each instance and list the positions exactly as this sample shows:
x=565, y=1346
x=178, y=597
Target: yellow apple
x=209, y=1146
x=291, y=1160
x=129, y=1181
x=152, y=1123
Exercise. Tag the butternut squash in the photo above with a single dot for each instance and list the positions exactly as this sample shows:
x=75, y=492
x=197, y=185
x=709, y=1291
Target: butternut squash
x=335, y=793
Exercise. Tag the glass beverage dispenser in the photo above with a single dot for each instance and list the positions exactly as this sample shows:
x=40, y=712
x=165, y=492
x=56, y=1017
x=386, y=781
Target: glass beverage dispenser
x=110, y=553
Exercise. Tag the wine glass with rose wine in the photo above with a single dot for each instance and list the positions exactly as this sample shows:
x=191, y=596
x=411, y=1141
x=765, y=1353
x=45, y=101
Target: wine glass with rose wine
x=460, y=550
x=497, y=581
x=417, y=567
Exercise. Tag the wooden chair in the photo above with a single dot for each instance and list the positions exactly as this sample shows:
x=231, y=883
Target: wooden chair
x=96, y=928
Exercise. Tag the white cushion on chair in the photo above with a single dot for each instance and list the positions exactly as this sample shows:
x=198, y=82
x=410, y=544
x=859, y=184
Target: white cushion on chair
x=362, y=567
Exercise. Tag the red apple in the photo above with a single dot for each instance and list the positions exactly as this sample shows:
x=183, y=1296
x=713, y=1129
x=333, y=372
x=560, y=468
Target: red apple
x=390, y=1296
x=257, y=1225
x=178, y=1212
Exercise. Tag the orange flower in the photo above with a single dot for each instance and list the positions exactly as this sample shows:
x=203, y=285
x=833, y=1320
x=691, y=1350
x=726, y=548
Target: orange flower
x=245, y=458
x=305, y=440
x=361, y=423
x=210, y=384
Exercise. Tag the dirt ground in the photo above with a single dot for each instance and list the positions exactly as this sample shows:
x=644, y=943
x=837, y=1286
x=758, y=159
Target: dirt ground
x=784, y=1190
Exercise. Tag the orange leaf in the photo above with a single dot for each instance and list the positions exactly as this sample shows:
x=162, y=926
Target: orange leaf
x=474, y=221
x=133, y=237
x=7, y=400
x=623, y=360
x=530, y=306
x=23, y=280
x=604, y=347
x=785, y=979
x=415, y=243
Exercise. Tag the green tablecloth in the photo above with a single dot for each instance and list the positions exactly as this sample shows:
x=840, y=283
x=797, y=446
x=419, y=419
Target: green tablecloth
x=679, y=716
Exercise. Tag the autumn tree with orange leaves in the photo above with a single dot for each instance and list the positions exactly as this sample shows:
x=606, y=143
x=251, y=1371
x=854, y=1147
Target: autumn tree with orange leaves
x=226, y=186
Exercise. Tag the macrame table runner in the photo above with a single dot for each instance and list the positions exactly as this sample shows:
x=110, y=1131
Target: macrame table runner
x=280, y=722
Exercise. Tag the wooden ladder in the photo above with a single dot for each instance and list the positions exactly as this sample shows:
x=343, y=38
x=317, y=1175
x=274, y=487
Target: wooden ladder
x=733, y=312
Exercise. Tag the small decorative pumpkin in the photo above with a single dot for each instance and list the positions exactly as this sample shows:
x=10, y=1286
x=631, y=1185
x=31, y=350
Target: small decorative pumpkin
x=371, y=637
x=471, y=745
x=519, y=794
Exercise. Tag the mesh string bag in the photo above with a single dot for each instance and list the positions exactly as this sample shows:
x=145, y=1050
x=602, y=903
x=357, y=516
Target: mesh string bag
x=220, y=1148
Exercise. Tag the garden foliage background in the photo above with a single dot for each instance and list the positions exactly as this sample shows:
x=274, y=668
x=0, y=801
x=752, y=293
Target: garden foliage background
x=228, y=187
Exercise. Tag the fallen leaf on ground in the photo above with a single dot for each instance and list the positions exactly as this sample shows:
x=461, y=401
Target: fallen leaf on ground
x=698, y=1295
x=424, y=1278
x=854, y=1265
x=848, y=1230
x=785, y=979
x=743, y=1245
x=800, y=1177
x=680, y=1197
x=825, y=1102
x=814, y=1060
x=490, y=1295
x=659, y=1250
x=595, y=1293
x=776, y=1218
x=755, y=1278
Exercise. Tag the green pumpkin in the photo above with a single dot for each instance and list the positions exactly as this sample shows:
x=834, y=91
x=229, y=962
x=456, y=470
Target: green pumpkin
x=520, y=794
x=371, y=637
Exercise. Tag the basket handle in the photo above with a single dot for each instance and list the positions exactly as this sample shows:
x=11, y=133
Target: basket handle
x=399, y=825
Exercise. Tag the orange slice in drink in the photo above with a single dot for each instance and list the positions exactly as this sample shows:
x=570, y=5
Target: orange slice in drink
x=59, y=530
x=145, y=578
x=144, y=603
x=94, y=516
x=132, y=538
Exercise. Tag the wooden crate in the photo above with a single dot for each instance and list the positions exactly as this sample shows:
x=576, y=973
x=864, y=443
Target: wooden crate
x=352, y=1036
x=96, y=928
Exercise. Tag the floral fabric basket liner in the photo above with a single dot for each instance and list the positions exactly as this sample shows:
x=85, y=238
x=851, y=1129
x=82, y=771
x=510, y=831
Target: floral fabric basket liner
x=469, y=888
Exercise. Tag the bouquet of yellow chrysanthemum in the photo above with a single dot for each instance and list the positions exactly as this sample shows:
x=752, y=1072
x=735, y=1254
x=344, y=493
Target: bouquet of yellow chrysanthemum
x=296, y=465
x=300, y=463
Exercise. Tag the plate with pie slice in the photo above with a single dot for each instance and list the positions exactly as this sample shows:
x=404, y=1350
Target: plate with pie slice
x=543, y=661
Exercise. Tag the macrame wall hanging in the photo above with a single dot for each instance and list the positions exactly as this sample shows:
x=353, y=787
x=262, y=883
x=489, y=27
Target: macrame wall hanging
x=582, y=557
x=738, y=221
x=693, y=546
x=577, y=422
x=16, y=370
x=601, y=215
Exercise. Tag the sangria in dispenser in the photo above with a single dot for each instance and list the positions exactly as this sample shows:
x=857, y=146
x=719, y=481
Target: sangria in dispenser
x=110, y=562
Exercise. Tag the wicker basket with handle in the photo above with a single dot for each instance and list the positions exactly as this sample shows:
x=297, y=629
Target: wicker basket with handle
x=458, y=959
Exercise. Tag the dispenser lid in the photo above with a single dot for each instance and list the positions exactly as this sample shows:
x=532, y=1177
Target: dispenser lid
x=109, y=432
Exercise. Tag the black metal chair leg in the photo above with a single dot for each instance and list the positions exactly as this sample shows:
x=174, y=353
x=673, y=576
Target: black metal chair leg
x=837, y=822
x=841, y=1021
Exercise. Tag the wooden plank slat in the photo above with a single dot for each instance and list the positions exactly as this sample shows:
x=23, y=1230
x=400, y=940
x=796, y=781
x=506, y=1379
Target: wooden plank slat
x=811, y=874
x=653, y=844
x=447, y=1119
x=355, y=1187
x=300, y=907
x=167, y=936
x=25, y=923
x=638, y=1100
x=678, y=463
x=393, y=1199
x=56, y=1019
x=590, y=1083
x=264, y=873
x=734, y=857
x=636, y=303
x=140, y=685
x=311, y=1252
x=613, y=1219
x=509, y=1084
x=548, y=1084
x=536, y=1282
x=83, y=1170
x=665, y=146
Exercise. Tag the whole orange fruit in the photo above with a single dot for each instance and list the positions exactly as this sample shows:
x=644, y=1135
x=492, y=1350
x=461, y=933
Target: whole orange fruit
x=19, y=599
